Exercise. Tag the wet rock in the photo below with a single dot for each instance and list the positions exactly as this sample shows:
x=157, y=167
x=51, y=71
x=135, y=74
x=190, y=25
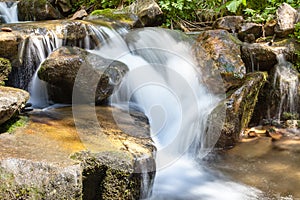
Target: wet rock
x=71, y=69
x=286, y=20
x=258, y=57
x=275, y=135
x=12, y=101
x=229, y=23
x=250, y=28
x=37, y=10
x=5, y=68
x=51, y=159
x=148, y=12
x=223, y=56
x=240, y=105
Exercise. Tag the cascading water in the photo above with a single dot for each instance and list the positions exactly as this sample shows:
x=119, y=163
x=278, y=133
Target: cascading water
x=9, y=12
x=286, y=79
x=164, y=83
x=41, y=46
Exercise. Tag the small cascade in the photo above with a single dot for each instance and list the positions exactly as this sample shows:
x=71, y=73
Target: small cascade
x=164, y=83
x=9, y=12
x=286, y=84
x=40, y=47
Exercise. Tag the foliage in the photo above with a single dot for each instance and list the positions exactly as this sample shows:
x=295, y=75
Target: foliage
x=101, y=4
x=296, y=35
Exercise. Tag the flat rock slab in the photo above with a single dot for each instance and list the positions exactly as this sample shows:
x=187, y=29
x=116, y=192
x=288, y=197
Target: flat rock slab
x=50, y=158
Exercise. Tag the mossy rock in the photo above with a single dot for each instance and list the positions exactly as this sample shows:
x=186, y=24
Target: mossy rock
x=5, y=69
x=240, y=105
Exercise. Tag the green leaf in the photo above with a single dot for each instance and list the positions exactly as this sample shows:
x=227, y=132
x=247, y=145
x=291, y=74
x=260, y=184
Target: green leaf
x=234, y=5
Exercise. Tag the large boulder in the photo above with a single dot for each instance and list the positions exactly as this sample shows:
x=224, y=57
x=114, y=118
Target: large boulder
x=240, y=105
x=148, y=12
x=95, y=77
x=250, y=28
x=12, y=101
x=5, y=68
x=286, y=19
x=51, y=158
x=223, y=54
x=36, y=10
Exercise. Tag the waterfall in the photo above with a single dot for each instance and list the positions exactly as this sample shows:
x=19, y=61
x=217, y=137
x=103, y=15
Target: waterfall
x=40, y=47
x=9, y=12
x=286, y=83
x=165, y=84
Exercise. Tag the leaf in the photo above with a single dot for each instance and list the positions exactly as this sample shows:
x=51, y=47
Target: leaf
x=233, y=5
x=244, y=2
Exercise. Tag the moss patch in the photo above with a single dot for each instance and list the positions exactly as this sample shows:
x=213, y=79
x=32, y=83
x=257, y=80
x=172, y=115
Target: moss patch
x=5, y=69
x=14, y=123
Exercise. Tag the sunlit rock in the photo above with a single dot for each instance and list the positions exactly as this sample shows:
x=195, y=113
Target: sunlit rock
x=286, y=20
x=53, y=158
x=5, y=69
x=12, y=101
x=223, y=56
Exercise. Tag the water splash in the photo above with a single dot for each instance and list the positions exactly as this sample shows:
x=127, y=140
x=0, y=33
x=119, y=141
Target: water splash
x=9, y=11
x=286, y=79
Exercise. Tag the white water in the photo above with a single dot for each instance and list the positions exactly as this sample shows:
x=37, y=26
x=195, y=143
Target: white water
x=288, y=81
x=164, y=83
x=9, y=12
x=40, y=47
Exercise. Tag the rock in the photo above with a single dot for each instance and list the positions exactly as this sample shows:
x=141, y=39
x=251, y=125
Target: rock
x=223, y=54
x=258, y=57
x=8, y=45
x=124, y=17
x=239, y=109
x=250, y=28
x=275, y=135
x=286, y=20
x=96, y=77
x=51, y=159
x=6, y=29
x=79, y=14
x=12, y=101
x=64, y=5
x=148, y=11
x=5, y=68
x=269, y=28
x=229, y=23
x=37, y=10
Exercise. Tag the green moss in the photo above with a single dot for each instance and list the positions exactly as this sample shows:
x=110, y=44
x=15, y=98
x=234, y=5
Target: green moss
x=112, y=14
x=10, y=190
x=5, y=69
x=14, y=123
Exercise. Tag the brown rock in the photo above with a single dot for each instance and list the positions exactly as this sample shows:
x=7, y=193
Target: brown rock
x=229, y=23
x=6, y=29
x=79, y=15
x=286, y=19
x=12, y=101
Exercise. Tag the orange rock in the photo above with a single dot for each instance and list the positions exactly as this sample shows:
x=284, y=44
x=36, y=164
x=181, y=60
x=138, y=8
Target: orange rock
x=6, y=29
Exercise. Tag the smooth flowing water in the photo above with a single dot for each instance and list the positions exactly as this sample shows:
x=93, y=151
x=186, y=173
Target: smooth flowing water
x=165, y=84
x=287, y=80
x=9, y=12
